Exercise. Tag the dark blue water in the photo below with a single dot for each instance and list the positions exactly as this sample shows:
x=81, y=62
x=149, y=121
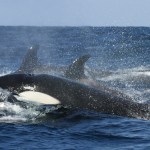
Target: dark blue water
x=119, y=59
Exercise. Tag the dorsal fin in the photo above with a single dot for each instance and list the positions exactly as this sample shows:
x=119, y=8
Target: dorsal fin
x=30, y=61
x=76, y=69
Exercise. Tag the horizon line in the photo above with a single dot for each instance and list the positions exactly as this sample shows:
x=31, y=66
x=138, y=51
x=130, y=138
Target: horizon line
x=72, y=26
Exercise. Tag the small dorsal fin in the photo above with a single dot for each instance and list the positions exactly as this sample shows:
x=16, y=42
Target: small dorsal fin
x=76, y=69
x=30, y=61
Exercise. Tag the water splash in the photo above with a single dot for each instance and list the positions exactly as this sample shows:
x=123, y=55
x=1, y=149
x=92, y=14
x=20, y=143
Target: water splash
x=134, y=82
x=11, y=112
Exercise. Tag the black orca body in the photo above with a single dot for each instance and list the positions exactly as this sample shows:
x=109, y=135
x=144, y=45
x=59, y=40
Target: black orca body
x=75, y=95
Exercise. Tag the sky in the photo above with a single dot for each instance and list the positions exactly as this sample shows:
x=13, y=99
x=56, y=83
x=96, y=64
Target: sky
x=75, y=12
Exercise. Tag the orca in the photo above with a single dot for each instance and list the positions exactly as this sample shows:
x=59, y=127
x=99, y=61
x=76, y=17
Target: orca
x=73, y=94
x=76, y=69
x=30, y=61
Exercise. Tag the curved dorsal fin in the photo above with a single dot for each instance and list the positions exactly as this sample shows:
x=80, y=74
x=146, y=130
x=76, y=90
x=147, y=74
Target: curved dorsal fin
x=30, y=61
x=76, y=69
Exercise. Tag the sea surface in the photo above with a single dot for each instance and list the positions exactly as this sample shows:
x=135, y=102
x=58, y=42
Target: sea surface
x=120, y=59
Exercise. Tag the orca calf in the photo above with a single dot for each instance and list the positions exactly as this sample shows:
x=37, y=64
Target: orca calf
x=31, y=64
x=75, y=95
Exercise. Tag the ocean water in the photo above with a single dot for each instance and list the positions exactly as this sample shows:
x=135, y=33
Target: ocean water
x=119, y=59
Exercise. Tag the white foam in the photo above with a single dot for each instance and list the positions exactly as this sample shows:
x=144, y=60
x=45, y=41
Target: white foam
x=9, y=119
x=5, y=73
x=14, y=113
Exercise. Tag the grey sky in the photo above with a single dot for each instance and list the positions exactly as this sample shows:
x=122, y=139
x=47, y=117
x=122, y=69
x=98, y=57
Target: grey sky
x=75, y=12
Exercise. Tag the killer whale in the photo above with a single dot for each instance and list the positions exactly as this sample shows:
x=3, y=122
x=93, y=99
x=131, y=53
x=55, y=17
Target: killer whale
x=31, y=64
x=76, y=69
x=30, y=61
x=73, y=94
